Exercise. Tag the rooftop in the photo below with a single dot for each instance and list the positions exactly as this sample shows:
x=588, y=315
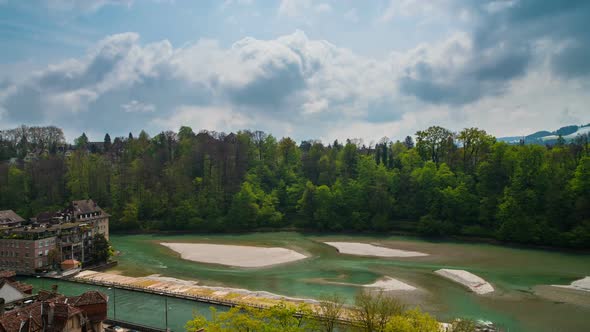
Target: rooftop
x=9, y=216
x=28, y=318
x=85, y=206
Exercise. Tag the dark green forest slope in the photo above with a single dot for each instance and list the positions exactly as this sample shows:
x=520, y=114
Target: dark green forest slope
x=444, y=183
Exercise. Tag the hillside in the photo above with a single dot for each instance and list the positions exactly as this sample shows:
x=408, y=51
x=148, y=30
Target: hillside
x=569, y=133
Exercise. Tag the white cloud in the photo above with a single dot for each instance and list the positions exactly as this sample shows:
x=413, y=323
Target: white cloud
x=135, y=106
x=291, y=85
x=217, y=118
x=70, y=101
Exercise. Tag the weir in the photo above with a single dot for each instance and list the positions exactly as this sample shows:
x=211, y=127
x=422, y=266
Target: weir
x=191, y=297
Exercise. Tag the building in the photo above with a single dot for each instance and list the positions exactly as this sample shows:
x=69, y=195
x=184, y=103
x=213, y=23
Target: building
x=9, y=218
x=10, y=293
x=70, y=264
x=54, y=312
x=89, y=212
x=25, y=251
x=8, y=277
x=51, y=238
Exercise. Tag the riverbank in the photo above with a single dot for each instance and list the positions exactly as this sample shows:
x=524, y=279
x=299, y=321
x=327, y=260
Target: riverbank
x=411, y=232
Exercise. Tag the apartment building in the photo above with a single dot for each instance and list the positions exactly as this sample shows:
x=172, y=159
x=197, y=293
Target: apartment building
x=51, y=237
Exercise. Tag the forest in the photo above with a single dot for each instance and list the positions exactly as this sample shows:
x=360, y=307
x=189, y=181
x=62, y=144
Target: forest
x=437, y=183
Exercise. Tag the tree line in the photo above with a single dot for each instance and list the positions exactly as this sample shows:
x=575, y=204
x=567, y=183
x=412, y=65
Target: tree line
x=440, y=183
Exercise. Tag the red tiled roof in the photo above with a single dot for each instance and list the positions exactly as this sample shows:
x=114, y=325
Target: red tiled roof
x=63, y=309
x=27, y=316
x=88, y=298
x=25, y=288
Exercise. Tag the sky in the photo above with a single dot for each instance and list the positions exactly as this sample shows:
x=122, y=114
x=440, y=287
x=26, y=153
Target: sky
x=328, y=69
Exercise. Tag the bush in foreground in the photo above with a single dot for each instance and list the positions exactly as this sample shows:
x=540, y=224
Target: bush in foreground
x=373, y=312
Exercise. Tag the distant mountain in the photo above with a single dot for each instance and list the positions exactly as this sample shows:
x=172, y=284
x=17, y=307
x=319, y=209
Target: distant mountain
x=569, y=133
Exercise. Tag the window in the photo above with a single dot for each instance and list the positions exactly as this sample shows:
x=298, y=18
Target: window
x=40, y=264
x=46, y=252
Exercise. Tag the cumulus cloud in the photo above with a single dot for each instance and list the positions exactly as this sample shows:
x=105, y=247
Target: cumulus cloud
x=292, y=85
x=507, y=38
x=291, y=78
x=216, y=118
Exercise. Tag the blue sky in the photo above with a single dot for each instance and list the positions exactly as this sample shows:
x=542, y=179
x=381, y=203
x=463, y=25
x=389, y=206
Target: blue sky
x=307, y=69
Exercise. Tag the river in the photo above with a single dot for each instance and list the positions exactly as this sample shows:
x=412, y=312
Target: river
x=518, y=304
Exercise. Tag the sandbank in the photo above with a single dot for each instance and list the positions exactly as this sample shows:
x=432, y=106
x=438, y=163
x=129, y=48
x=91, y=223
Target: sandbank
x=557, y=293
x=581, y=284
x=391, y=284
x=467, y=279
x=365, y=249
x=232, y=255
x=384, y=283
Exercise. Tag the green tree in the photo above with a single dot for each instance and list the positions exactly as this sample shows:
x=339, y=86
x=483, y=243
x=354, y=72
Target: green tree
x=476, y=143
x=101, y=248
x=413, y=321
x=435, y=143
x=374, y=310
x=82, y=141
x=580, y=186
x=244, y=210
x=107, y=142
x=330, y=309
x=278, y=318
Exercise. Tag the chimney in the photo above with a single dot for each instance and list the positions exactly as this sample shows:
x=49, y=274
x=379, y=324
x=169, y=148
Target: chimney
x=2, y=302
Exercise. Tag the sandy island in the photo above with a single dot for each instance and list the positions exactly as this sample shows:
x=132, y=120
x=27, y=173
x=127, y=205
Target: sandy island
x=467, y=279
x=581, y=284
x=391, y=284
x=385, y=283
x=365, y=249
x=232, y=255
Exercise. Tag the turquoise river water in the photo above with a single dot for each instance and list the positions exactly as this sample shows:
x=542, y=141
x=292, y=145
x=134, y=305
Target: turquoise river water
x=521, y=302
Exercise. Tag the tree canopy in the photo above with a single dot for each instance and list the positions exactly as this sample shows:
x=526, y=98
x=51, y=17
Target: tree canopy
x=445, y=183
